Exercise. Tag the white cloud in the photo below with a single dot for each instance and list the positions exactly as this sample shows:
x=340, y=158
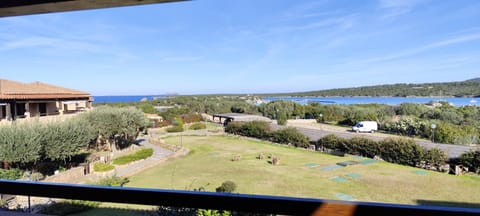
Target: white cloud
x=395, y=8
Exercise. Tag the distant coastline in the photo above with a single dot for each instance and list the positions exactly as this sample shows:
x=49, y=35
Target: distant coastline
x=124, y=98
x=457, y=101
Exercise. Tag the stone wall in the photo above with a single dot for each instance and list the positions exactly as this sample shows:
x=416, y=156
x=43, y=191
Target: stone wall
x=73, y=175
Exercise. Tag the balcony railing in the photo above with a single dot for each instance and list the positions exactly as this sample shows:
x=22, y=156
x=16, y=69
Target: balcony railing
x=221, y=201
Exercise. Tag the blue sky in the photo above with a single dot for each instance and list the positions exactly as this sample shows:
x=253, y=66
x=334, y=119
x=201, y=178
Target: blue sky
x=247, y=46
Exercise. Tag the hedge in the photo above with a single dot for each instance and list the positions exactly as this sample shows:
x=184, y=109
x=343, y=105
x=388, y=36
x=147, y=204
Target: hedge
x=398, y=150
x=102, y=167
x=290, y=136
x=471, y=159
x=261, y=130
x=175, y=129
x=192, y=117
x=11, y=174
x=257, y=129
x=139, y=155
x=197, y=126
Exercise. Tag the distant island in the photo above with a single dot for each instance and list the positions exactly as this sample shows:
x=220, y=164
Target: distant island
x=467, y=88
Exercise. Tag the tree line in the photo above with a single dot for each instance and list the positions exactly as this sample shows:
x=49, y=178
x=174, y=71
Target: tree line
x=457, y=125
x=468, y=88
x=28, y=145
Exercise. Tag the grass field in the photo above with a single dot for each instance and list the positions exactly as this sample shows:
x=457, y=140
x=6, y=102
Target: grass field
x=209, y=164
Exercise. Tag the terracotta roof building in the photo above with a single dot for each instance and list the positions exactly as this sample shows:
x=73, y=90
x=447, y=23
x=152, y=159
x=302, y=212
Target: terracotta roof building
x=24, y=100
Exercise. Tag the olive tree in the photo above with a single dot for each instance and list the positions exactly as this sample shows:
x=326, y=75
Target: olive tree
x=62, y=140
x=115, y=127
x=20, y=143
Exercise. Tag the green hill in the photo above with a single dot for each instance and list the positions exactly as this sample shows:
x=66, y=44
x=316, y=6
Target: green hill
x=468, y=88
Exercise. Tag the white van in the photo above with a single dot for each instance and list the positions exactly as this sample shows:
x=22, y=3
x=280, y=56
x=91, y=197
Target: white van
x=365, y=126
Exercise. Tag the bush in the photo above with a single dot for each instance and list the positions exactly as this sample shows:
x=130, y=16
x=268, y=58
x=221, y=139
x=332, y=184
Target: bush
x=175, y=129
x=139, y=155
x=471, y=159
x=233, y=127
x=290, y=136
x=401, y=151
x=413, y=109
x=282, y=118
x=332, y=142
x=164, y=123
x=257, y=129
x=192, y=117
x=363, y=146
x=435, y=156
x=227, y=187
x=11, y=174
x=147, y=108
x=102, y=167
x=69, y=207
x=113, y=181
x=198, y=126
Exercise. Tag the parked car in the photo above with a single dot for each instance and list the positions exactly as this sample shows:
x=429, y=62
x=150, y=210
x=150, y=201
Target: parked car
x=365, y=126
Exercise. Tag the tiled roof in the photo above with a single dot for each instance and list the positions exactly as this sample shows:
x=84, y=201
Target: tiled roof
x=16, y=90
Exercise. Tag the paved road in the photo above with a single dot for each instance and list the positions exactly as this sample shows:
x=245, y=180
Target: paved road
x=158, y=154
x=453, y=151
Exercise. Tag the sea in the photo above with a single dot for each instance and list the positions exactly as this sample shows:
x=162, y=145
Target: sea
x=323, y=100
x=124, y=98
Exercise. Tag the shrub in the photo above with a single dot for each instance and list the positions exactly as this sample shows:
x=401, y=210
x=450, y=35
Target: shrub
x=175, y=129
x=227, y=187
x=139, y=155
x=411, y=109
x=147, y=108
x=192, y=117
x=282, y=118
x=113, y=181
x=332, y=142
x=11, y=174
x=363, y=146
x=401, y=151
x=435, y=156
x=408, y=126
x=233, y=127
x=69, y=207
x=178, y=122
x=290, y=136
x=471, y=159
x=257, y=129
x=198, y=126
x=164, y=123
x=102, y=167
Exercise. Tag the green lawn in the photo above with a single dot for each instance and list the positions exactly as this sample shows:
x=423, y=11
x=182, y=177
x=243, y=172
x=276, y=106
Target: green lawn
x=209, y=164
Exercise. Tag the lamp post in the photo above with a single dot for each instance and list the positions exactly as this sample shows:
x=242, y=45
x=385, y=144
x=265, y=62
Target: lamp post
x=433, y=126
x=29, y=175
x=321, y=120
